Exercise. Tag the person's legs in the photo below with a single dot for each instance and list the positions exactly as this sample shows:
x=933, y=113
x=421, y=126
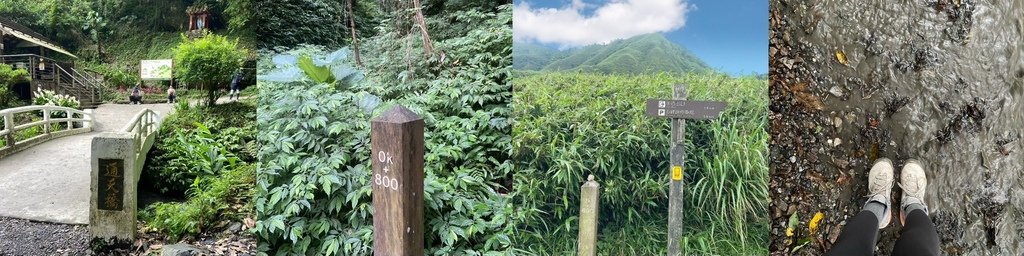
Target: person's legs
x=861, y=232
x=919, y=236
x=858, y=236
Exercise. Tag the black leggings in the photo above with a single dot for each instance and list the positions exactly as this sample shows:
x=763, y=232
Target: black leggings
x=860, y=234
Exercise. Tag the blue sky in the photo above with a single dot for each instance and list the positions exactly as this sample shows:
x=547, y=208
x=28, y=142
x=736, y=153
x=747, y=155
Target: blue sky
x=729, y=35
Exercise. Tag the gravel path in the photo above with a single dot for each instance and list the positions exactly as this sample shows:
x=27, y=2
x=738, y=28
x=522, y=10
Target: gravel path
x=25, y=237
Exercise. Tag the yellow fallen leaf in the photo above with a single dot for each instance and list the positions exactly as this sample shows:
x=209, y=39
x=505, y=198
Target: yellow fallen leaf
x=841, y=57
x=791, y=227
x=813, y=226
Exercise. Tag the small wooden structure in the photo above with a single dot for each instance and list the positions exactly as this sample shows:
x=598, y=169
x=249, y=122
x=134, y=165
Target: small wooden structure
x=21, y=47
x=198, y=21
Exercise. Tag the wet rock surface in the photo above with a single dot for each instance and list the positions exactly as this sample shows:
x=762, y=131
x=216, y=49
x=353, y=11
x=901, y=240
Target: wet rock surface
x=939, y=81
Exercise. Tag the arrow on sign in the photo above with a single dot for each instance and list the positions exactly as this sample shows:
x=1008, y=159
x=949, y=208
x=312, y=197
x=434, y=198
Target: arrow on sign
x=684, y=108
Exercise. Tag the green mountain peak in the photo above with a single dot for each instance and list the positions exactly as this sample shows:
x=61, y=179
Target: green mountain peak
x=647, y=53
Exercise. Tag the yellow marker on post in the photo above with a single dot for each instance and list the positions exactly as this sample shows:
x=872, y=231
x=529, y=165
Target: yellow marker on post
x=677, y=172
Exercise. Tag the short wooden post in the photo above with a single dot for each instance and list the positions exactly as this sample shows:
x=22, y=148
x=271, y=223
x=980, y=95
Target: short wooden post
x=590, y=196
x=675, y=196
x=397, y=155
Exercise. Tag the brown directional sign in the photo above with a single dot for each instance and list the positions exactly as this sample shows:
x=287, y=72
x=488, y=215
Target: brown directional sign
x=684, y=108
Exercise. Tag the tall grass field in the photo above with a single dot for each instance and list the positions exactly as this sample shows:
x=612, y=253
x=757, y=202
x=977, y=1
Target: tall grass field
x=571, y=125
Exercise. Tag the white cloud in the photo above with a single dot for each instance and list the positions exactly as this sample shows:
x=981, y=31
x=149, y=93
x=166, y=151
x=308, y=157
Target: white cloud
x=569, y=26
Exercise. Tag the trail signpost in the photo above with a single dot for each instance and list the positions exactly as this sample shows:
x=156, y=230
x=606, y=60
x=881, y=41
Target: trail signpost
x=678, y=110
x=397, y=160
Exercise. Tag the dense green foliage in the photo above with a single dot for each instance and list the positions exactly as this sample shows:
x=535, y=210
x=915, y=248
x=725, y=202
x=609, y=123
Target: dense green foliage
x=314, y=194
x=8, y=77
x=316, y=22
x=200, y=141
x=209, y=61
x=210, y=201
x=643, y=54
x=573, y=125
x=206, y=161
x=80, y=25
x=110, y=37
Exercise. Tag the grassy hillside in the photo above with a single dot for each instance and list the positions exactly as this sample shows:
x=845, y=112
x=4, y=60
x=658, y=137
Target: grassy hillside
x=649, y=53
x=529, y=56
x=570, y=125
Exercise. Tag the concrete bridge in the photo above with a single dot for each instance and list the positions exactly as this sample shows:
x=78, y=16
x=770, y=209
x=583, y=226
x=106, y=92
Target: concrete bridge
x=47, y=178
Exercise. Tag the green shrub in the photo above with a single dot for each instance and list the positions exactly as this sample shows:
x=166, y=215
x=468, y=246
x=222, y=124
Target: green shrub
x=209, y=62
x=113, y=76
x=570, y=125
x=185, y=154
x=210, y=201
x=313, y=189
x=8, y=77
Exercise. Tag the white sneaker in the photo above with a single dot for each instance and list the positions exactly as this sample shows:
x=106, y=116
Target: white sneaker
x=913, y=182
x=880, y=180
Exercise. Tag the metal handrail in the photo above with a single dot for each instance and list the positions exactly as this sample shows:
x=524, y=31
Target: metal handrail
x=10, y=127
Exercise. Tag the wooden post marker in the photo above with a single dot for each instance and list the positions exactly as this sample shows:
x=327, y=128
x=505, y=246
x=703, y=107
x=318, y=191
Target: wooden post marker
x=679, y=109
x=397, y=155
x=590, y=196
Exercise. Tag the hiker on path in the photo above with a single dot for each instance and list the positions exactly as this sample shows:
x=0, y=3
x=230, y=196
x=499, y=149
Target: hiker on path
x=136, y=96
x=171, y=94
x=234, y=86
x=919, y=235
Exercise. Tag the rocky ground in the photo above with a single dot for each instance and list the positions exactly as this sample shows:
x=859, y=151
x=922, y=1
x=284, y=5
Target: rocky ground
x=921, y=84
x=24, y=237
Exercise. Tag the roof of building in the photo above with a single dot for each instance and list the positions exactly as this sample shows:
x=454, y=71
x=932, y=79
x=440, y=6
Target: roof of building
x=8, y=27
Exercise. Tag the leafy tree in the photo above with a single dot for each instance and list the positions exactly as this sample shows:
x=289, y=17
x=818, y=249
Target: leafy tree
x=96, y=27
x=316, y=22
x=240, y=21
x=209, y=61
x=9, y=76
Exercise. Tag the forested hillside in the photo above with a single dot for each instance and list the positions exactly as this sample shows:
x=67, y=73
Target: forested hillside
x=649, y=53
x=111, y=36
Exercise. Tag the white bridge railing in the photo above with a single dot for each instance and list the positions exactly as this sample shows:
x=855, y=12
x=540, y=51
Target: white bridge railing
x=117, y=158
x=143, y=127
x=12, y=132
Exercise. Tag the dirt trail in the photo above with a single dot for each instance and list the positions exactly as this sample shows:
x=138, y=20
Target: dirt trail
x=941, y=81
